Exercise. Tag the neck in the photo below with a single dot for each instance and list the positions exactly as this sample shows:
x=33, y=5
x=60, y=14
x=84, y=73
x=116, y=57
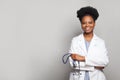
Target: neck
x=88, y=36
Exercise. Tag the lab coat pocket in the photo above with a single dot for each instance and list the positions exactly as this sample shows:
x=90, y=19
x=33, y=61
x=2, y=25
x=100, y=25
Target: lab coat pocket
x=76, y=76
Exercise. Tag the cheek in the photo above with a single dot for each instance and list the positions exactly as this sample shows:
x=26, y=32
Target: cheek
x=92, y=25
x=83, y=26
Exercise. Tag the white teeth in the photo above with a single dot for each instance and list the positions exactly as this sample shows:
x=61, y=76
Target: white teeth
x=87, y=28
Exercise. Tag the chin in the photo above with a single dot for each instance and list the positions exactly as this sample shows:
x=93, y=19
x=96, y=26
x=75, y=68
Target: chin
x=88, y=32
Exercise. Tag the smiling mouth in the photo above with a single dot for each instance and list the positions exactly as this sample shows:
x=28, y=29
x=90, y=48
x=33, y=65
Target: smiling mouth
x=87, y=28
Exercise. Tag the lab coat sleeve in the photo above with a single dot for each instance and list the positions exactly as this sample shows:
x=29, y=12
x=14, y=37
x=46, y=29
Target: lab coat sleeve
x=99, y=58
x=73, y=49
x=74, y=46
x=80, y=65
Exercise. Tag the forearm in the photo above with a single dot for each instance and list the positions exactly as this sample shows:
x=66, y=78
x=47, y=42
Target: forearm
x=83, y=59
x=96, y=61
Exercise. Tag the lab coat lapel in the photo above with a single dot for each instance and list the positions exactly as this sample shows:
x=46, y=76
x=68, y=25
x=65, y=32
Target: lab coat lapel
x=82, y=44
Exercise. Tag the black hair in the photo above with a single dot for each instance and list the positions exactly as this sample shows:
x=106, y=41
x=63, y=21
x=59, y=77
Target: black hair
x=88, y=10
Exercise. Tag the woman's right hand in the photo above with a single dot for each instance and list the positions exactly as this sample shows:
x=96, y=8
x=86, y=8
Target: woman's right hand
x=77, y=57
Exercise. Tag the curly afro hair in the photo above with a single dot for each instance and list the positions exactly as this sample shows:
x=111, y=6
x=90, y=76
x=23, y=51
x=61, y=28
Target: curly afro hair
x=87, y=11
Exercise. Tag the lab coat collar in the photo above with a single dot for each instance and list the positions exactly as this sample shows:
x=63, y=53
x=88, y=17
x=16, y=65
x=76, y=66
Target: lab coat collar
x=81, y=37
x=82, y=42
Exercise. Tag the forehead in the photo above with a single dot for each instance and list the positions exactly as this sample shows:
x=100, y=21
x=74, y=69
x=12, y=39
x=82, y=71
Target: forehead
x=87, y=17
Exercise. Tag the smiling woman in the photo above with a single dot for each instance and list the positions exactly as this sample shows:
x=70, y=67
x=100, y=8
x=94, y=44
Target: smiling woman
x=87, y=50
x=88, y=25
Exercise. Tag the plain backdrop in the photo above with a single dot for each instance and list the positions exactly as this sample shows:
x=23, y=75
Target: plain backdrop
x=35, y=34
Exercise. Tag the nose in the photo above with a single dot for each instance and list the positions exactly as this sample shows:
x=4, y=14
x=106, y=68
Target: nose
x=87, y=24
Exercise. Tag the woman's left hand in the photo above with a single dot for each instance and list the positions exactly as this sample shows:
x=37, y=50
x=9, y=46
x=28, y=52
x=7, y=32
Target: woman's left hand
x=99, y=67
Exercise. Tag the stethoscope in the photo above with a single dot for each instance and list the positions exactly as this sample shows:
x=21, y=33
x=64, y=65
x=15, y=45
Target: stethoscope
x=65, y=56
x=76, y=74
x=65, y=59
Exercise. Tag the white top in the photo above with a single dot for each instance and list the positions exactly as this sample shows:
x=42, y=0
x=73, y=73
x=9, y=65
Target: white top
x=95, y=56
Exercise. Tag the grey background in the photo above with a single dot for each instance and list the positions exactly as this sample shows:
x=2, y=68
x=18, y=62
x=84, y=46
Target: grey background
x=34, y=34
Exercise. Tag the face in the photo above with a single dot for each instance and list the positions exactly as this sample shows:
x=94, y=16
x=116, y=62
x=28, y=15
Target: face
x=88, y=24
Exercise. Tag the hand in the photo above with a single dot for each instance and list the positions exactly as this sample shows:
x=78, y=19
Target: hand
x=99, y=67
x=78, y=57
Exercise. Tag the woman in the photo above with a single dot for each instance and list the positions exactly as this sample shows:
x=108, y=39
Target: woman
x=88, y=52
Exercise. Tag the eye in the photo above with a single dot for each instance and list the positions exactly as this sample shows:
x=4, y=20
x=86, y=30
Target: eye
x=90, y=22
x=83, y=23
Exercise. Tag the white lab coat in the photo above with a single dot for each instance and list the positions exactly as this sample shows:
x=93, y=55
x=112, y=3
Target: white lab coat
x=96, y=55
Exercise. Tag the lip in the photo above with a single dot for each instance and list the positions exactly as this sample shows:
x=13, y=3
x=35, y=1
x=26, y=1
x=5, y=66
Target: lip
x=87, y=28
